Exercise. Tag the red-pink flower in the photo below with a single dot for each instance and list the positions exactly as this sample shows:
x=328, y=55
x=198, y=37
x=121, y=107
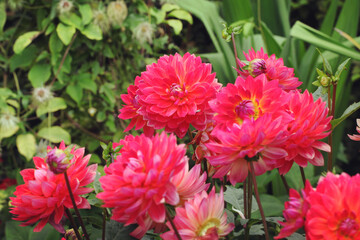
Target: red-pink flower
x=356, y=137
x=248, y=98
x=334, y=211
x=129, y=111
x=44, y=195
x=260, y=62
x=174, y=93
x=295, y=211
x=310, y=124
x=253, y=140
x=202, y=217
x=138, y=183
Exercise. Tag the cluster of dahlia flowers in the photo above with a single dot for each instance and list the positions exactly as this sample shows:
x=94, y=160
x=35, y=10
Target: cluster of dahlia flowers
x=331, y=211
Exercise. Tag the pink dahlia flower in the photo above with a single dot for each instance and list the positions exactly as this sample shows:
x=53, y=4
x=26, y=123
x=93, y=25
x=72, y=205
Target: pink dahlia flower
x=174, y=93
x=310, y=124
x=248, y=98
x=295, y=211
x=356, y=137
x=138, y=184
x=335, y=209
x=260, y=62
x=202, y=217
x=44, y=195
x=252, y=140
x=129, y=111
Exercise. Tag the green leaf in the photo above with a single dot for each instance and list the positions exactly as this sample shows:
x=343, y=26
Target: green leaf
x=24, y=40
x=181, y=14
x=167, y=7
x=85, y=81
x=271, y=205
x=50, y=29
x=26, y=145
x=39, y=74
x=116, y=230
x=47, y=233
x=72, y=20
x=24, y=59
x=158, y=14
x=271, y=43
x=86, y=13
x=65, y=33
x=9, y=130
x=53, y=105
x=341, y=68
x=234, y=196
x=55, y=134
x=350, y=110
x=2, y=16
x=15, y=232
x=55, y=44
x=92, y=32
x=176, y=25
x=326, y=63
x=75, y=92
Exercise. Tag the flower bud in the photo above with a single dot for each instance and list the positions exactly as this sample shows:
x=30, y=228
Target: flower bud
x=70, y=234
x=64, y=6
x=144, y=33
x=324, y=81
x=101, y=20
x=41, y=95
x=58, y=160
x=117, y=12
x=257, y=67
x=92, y=111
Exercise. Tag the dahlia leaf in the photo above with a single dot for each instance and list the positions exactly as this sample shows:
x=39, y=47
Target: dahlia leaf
x=55, y=134
x=26, y=145
x=53, y=105
x=341, y=68
x=234, y=196
x=326, y=64
x=14, y=232
x=116, y=230
x=24, y=40
x=350, y=110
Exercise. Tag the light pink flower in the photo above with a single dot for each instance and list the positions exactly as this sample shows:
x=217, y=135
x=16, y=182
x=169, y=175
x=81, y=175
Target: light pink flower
x=356, y=137
x=137, y=185
x=295, y=211
x=260, y=62
x=174, y=93
x=202, y=217
x=310, y=124
x=44, y=195
x=253, y=140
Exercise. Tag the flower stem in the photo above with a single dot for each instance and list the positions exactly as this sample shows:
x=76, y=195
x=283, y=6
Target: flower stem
x=286, y=185
x=235, y=52
x=73, y=224
x=252, y=172
x=245, y=198
x=302, y=174
x=104, y=224
x=172, y=224
x=74, y=205
x=332, y=113
x=250, y=193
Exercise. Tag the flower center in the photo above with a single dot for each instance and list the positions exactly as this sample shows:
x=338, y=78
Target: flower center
x=245, y=109
x=349, y=227
x=176, y=90
x=208, y=226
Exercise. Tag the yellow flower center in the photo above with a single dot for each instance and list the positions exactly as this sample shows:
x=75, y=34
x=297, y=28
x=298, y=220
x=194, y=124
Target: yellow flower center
x=210, y=223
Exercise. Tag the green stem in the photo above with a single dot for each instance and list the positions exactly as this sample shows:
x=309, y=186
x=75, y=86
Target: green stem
x=172, y=224
x=252, y=172
x=73, y=224
x=235, y=52
x=330, y=156
x=74, y=205
x=286, y=185
x=302, y=175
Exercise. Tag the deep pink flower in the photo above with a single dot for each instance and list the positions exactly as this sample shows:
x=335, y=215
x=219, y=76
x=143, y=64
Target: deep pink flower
x=138, y=183
x=356, y=137
x=260, y=62
x=44, y=195
x=253, y=140
x=310, y=124
x=295, y=211
x=174, y=93
x=334, y=211
x=201, y=218
x=249, y=98
x=129, y=111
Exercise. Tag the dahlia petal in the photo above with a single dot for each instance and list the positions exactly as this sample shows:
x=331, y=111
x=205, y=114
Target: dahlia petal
x=157, y=213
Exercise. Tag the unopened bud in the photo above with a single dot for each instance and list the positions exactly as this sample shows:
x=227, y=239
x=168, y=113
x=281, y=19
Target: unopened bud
x=58, y=160
x=257, y=67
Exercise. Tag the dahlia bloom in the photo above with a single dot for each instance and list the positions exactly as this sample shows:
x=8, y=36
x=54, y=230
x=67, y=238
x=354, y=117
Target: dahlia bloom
x=295, y=211
x=356, y=137
x=310, y=124
x=202, y=217
x=248, y=98
x=260, y=62
x=335, y=208
x=44, y=195
x=129, y=111
x=175, y=92
x=138, y=183
x=252, y=140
